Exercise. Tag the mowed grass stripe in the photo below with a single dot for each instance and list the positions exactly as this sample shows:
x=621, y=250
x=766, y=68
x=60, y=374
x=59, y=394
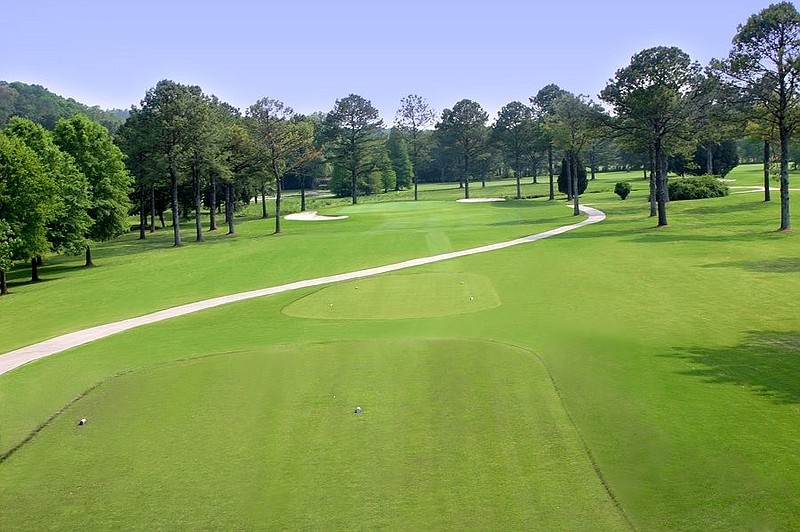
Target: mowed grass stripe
x=454, y=434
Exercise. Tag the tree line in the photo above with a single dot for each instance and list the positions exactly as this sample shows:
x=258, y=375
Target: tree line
x=60, y=191
x=188, y=153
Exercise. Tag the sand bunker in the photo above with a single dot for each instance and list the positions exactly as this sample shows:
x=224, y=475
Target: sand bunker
x=312, y=216
x=479, y=200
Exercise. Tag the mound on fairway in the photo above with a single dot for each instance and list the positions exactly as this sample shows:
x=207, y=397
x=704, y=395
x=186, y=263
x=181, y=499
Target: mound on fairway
x=454, y=433
x=387, y=297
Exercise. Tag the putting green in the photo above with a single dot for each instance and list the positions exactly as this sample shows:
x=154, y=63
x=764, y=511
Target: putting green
x=454, y=433
x=427, y=295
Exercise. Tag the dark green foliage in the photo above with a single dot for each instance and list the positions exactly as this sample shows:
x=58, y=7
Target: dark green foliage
x=70, y=221
x=401, y=162
x=384, y=170
x=27, y=197
x=562, y=178
x=341, y=182
x=101, y=161
x=622, y=189
x=353, y=131
x=462, y=131
x=724, y=154
x=725, y=157
x=688, y=188
x=43, y=107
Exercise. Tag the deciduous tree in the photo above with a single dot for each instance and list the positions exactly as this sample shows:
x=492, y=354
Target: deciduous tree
x=101, y=161
x=28, y=199
x=70, y=221
x=6, y=253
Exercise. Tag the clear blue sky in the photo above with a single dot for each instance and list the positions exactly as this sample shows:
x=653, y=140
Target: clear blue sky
x=308, y=53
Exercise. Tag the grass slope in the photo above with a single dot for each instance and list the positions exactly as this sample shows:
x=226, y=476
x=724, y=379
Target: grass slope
x=674, y=351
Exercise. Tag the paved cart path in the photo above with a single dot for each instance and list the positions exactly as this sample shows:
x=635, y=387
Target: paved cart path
x=13, y=359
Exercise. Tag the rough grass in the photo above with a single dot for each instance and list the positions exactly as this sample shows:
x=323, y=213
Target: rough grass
x=674, y=351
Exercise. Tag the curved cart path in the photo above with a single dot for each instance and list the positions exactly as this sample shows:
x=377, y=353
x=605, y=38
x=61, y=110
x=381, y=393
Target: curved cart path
x=13, y=359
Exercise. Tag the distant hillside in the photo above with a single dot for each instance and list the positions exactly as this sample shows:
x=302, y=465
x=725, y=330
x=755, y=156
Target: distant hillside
x=44, y=107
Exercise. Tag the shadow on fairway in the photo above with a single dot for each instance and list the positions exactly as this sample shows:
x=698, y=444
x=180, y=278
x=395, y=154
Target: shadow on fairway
x=765, y=362
x=782, y=265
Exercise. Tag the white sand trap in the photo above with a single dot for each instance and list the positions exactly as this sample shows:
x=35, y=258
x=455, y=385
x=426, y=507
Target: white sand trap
x=312, y=216
x=479, y=200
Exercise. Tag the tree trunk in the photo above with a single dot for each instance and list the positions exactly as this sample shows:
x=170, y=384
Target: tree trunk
x=212, y=211
x=278, y=187
x=592, y=164
x=550, y=170
x=161, y=219
x=264, y=201
x=785, y=217
x=153, y=210
x=198, y=207
x=568, y=159
x=3, y=284
x=229, y=209
x=570, y=190
x=653, y=204
x=142, y=214
x=354, y=184
x=661, y=185
x=518, y=172
x=176, y=221
x=710, y=158
x=766, y=170
x=575, y=189
x=302, y=193
x=34, y=270
x=414, y=177
x=89, y=262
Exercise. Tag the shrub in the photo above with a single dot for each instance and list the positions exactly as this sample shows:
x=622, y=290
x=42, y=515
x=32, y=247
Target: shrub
x=688, y=188
x=562, y=178
x=622, y=189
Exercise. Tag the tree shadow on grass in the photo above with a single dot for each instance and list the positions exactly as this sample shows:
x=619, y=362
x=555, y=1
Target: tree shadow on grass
x=781, y=265
x=767, y=363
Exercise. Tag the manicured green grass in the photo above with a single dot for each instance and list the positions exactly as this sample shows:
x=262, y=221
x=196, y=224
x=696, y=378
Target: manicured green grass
x=671, y=353
x=453, y=434
x=446, y=294
x=135, y=277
